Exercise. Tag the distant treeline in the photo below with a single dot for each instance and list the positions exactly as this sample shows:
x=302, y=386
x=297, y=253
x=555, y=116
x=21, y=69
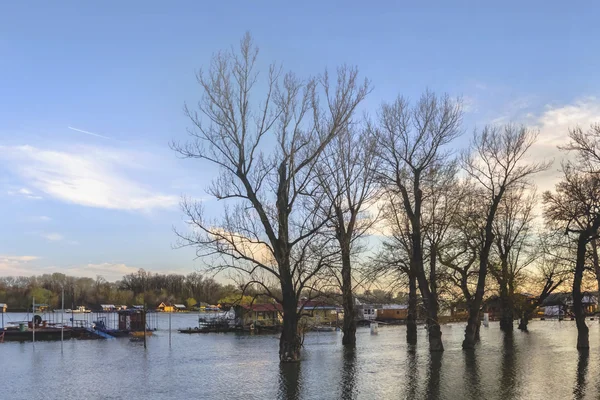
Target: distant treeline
x=136, y=288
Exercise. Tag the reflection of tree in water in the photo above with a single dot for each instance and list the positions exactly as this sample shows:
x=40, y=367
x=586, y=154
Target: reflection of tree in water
x=582, y=366
x=509, y=384
x=412, y=372
x=472, y=376
x=289, y=381
x=433, y=375
x=348, y=383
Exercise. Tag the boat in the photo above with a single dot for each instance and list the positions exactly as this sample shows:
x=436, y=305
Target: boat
x=81, y=310
x=323, y=328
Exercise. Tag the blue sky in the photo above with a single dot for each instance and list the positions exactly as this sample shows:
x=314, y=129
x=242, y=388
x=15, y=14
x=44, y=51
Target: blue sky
x=105, y=201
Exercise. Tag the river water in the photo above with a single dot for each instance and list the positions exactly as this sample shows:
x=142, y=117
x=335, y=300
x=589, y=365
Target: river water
x=541, y=364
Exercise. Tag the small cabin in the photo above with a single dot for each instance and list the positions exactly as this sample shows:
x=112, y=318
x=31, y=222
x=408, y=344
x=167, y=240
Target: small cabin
x=179, y=307
x=392, y=312
x=132, y=320
x=262, y=314
x=318, y=312
x=108, y=307
x=165, y=307
x=3, y=307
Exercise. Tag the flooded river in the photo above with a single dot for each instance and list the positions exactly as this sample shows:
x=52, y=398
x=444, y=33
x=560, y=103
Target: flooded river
x=543, y=364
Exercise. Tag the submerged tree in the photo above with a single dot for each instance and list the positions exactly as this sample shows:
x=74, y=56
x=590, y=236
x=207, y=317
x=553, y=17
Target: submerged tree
x=554, y=263
x=411, y=145
x=574, y=207
x=267, y=150
x=346, y=178
x=496, y=161
x=513, y=245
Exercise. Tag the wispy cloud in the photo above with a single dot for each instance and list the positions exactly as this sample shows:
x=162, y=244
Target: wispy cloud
x=53, y=236
x=17, y=265
x=88, y=176
x=39, y=218
x=553, y=123
x=109, y=271
x=24, y=192
x=89, y=133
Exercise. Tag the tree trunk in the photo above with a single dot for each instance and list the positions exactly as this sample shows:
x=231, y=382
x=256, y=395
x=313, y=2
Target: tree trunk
x=582, y=329
x=524, y=321
x=411, y=319
x=507, y=316
x=290, y=341
x=472, y=329
x=596, y=265
x=435, y=333
x=349, y=328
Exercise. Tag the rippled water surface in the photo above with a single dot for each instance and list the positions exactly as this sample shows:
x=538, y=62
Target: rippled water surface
x=542, y=364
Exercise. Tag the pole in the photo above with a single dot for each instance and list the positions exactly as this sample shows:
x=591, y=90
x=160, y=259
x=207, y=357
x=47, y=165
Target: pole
x=33, y=320
x=170, y=312
x=145, y=315
x=62, y=320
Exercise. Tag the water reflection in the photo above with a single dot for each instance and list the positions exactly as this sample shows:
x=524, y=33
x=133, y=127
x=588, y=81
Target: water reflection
x=412, y=372
x=289, y=381
x=349, y=369
x=582, y=367
x=433, y=375
x=472, y=375
x=509, y=384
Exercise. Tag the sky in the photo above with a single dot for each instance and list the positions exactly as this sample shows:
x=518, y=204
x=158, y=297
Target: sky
x=91, y=94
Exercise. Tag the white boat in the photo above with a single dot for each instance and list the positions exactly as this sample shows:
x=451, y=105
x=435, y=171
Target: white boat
x=81, y=310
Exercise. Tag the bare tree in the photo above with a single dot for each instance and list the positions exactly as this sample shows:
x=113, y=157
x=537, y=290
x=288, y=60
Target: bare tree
x=496, y=161
x=574, y=207
x=346, y=176
x=411, y=142
x=267, y=150
x=459, y=253
x=553, y=265
x=513, y=245
x=393, y=263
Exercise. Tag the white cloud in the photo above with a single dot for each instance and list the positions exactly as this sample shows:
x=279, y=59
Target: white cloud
x=53, y=237
x=18, y=265
x=110, y=271
x=554, y=124
x=470, y=104
x=88, y=176
x=26, y=266
x=24, y=192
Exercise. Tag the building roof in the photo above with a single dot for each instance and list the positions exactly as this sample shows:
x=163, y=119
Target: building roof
x=178, y=305
x=107, y=305
x=394, y=306
x=263, y=307
x=316, y=305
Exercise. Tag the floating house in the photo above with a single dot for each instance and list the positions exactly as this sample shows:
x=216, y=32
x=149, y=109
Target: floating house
x=165, y=307
x=392, y=312
x=319, y=312
x=3, y=307
x=132, y=320
x=261, y=314
x=108, y=307
x=559, y=305
x=179, y=307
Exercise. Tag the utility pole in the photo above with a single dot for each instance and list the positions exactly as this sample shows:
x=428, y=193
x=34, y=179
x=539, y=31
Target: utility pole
x=33, y=320
x=62, y=320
